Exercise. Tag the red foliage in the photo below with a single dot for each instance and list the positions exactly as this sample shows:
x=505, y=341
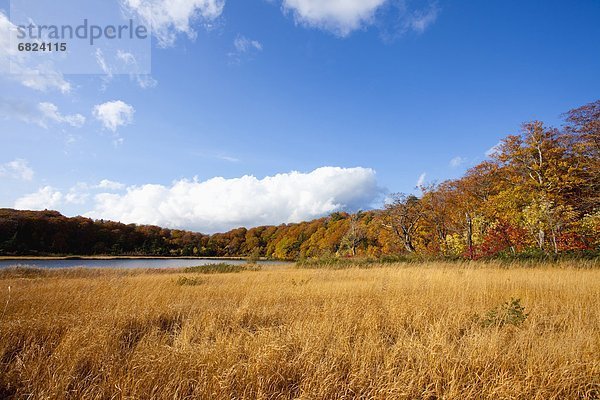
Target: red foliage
x=502, y=237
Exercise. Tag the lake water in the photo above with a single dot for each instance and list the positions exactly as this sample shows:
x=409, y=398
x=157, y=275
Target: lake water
x=124, y=263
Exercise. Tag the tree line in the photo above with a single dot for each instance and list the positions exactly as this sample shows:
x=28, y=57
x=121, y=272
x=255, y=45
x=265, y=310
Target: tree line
x=538, y=193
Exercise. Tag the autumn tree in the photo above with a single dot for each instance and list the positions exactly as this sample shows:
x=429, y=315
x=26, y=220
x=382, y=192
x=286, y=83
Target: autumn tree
x=583, y=131
x=355, y=234
x=402, y=216
x=436, y=203
x=540, y=169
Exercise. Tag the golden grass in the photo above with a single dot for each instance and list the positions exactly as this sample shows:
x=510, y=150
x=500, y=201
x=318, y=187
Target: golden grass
x=399, y=332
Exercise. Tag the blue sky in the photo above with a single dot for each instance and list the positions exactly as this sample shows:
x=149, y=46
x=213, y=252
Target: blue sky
x=387, y=92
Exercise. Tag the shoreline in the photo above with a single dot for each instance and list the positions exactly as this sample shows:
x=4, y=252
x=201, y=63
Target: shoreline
x=18, y=258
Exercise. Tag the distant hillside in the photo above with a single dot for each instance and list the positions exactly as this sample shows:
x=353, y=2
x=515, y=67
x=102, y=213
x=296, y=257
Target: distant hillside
x=51, y=233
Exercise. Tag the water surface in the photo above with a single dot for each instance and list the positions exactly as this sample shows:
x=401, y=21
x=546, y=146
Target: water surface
x=123, y=263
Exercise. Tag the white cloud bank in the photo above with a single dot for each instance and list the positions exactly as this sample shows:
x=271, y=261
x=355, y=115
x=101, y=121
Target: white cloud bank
x=17, y=169
x=114, y=114
x=46, y=197
x=168, y=18
x=221, y=204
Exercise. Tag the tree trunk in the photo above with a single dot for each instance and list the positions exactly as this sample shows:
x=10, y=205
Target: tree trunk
x=408, y=244
x=554, y=243
x=470, y=235
x=541, y=238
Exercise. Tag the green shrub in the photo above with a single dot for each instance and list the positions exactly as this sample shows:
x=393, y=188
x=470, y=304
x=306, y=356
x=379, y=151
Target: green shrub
x=509, y=313
x=185, y=281
x=221, y=268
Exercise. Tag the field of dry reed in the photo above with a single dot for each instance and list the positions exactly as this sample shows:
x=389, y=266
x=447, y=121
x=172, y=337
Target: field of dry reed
x=431, y=331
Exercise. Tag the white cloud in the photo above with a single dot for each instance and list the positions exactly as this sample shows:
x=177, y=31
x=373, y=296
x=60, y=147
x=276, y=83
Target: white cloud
x=168, y=18
x=421, y=179
x=113, y=114
x=144, y=81
x=493, y=150
x=46, y=197
x=50, y=112
x=220, y=204
x=106, y=69
x=81, y=192
x=42, y=78
x=338, y=16
x=126, y=57
x=418, y=21
x=40, y=114
x=18, y=66
x=103, y=64
x=242, y=44
x=110, y=185
x=77, y=195
x=125, y=62
x=22, y=111
x=228, y=158
x=457, y=161
x=394, y=17
x=244, y=47
x=17, y=169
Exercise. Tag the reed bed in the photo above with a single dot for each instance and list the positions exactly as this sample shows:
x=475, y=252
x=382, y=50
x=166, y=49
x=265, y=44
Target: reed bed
x=431, y=331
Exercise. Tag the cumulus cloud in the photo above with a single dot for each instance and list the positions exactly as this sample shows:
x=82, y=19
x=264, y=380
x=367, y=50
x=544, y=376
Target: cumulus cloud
x=19, y=66
x=394, y=17
x=17, y=169
x=457, y=161
x=114, y=114
x=221, y=204
x=110, y=185
x=46, y=197
x=218, y=204
x=338, y=16
x=41, y=114
x=169, y=18
x=81, y=192
x=78, y=194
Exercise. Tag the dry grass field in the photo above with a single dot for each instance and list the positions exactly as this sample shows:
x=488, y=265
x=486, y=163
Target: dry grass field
x=432, y=331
